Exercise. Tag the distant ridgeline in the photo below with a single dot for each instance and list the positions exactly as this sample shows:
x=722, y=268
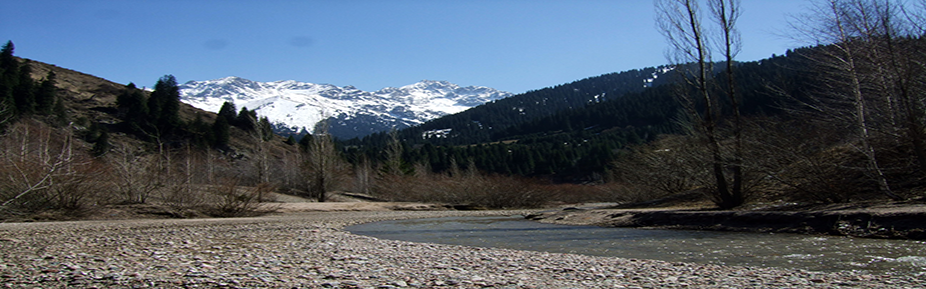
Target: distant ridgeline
x=572, y=132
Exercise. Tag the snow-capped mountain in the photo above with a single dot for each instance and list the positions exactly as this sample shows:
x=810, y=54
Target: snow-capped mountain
x=294, y=106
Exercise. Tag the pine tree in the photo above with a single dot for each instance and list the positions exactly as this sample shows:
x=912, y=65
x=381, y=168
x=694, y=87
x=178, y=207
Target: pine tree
x=8, y=64
x=101, y=146
x=46, y=94
x=164, y=104
x=265, y=130
x=133, y=106
x=220, y=132
x=305, y=142
x=122, y=101
x=93, y=132
x=9, y=68
x=246, y=119
x=24, y=91
x=60, y=112
x=229, y=111
x=200, y=133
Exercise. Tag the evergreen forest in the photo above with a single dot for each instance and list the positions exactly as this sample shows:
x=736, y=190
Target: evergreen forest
x=573, y=132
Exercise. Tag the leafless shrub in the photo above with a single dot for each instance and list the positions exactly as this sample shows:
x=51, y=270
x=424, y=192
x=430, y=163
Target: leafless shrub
x=134, y=174
x=42, y=170
x=231, y=200
x=82, y=187
x=628, y=193
x=806, y=161
x=463, y=187
x=182, y=199
x=509, y=192
x=583, y=193
x=395, y=187
x=670, y=165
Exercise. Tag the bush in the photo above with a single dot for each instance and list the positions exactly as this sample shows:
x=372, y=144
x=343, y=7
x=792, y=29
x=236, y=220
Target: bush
x=44, y=170
x=230, y=200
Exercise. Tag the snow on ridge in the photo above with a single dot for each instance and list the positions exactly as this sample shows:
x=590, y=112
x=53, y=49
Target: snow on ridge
x=294, y=104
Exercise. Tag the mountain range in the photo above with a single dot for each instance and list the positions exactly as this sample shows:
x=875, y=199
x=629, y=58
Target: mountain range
x=295, y=107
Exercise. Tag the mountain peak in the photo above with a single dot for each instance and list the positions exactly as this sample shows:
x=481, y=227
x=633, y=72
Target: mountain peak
x=232, y=79
x=436, y=82
x=294, y=106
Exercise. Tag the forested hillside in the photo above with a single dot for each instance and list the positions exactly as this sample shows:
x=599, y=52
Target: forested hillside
x=477, y=125
x=572, y=132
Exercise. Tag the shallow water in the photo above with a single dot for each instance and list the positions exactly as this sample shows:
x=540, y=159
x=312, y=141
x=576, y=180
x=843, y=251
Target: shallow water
x=817, y=253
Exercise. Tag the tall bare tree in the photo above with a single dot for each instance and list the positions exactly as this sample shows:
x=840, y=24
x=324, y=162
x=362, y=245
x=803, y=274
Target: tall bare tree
x=322, y=163
x=364, y=176
x=725, y=13
x=393, y=164
x=690, y=51
x=262, y=133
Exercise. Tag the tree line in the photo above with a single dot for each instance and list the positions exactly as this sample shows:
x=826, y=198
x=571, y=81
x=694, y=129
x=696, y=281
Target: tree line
x=21, y=96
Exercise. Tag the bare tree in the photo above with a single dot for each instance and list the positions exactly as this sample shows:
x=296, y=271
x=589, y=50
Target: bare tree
x=864, y=83
x=690, y=52
x=179, y=192
x=232, y=200
x=322, y=163
x=262, y=133
x=364, y=176
x=393, y=164
x=725, y=13
x=288, y=173
x=897, y=55
x=135, y=174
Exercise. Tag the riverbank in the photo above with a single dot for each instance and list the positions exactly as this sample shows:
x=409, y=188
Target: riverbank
x=894, y=221
x=311, y=250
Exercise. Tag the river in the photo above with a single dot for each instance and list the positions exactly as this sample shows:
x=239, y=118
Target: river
x=789, y=251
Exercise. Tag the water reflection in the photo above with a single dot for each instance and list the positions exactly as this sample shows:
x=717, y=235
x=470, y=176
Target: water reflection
x=743, y=249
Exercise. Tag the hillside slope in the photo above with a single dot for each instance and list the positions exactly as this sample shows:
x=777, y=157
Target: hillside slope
x=93, y=100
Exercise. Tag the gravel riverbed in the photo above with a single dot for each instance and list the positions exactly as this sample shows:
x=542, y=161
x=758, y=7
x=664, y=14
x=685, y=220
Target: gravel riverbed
x=311, y=250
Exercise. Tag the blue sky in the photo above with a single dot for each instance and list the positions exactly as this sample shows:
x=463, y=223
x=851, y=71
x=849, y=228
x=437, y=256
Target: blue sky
x=512, y=45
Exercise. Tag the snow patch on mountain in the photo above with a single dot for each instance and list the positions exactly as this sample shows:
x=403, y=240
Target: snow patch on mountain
x=294, y=106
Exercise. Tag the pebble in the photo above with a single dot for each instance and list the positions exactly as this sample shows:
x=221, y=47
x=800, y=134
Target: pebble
x=310, y=250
